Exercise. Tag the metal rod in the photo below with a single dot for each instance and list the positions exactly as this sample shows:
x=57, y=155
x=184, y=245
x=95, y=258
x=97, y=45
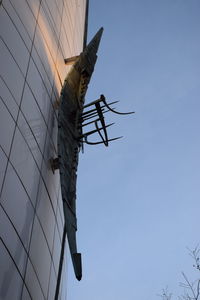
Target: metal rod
x=60, y=263
x=103, y=99
x=94, y=131
x=96, y=143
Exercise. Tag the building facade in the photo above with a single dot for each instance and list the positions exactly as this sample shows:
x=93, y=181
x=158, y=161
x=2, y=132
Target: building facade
x=35, y=38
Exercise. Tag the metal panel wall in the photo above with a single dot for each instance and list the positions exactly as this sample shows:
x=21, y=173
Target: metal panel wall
x=35, y=37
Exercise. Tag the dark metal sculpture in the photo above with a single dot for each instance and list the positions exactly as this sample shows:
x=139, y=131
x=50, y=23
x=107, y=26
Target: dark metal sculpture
x=72, y=117
x=70, y=108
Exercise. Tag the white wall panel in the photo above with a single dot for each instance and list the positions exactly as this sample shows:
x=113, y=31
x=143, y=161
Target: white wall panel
x=3, y=159
x=30, y=139
x=35, y=38
x=40, y=256
x=8, y=99
x=6, y=121
x=17, y=205
x=11, y=282
x=10, y=72
x=12, y=242
x=18, y=23
x=46, y=214
x=52, y=285
x=24, y=13
x=23, y=162
x=33, y=283
x=8, y=33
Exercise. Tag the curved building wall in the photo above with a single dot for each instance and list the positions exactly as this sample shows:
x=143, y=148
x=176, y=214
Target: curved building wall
x=35, y=37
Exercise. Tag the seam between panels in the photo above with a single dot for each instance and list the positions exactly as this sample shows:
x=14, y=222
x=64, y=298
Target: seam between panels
x=32, y=59
x=19, y=237
x=42, y=166
x=23, y=113
x=52, y=263
x=25, y=141
x=23, y=281
x=31, y=230
x=52, y=23
x=28, y=85
x=19, y=110
x=56, y=71
x=67, y=9
x=29, y=147
x=34, y=208
x=19, y=106
x=74, y=29
x=8, y=157
x=38, y=26
x=44, y=38
x=14, y=131
x=33, y=45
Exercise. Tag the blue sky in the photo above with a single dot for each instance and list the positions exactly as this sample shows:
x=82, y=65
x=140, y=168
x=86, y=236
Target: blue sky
x=138, y=199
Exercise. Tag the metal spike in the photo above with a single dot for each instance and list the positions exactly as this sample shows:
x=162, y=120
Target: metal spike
x=98, y=100
x=96, y=143
x=94, y=131
x=95, y=115
x=103, y=99
x=89, y=122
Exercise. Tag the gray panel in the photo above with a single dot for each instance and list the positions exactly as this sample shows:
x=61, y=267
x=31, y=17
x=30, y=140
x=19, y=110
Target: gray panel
x=34, y=6
x=10, y=72
x=52, y=18
x=8, y=99
x=17, y=205
x=51, y=179
x=60, y=217
x=25, y=294
x=34, y=117
x=40, y=58
x=38, y=90
x=6, y=121
x=51, y=182
x=13, y=40
x=30, y=139
x=40, y=256
x=24, y=12
x=47, y=34
x=15, y=16
x=10, y=280
x=45, y=214
x=3, y=160
x=45, y=55
x=20, y=188
x=56, y=249
x=59, y=4
x=33, y=283
x=25, y=166
x=12, y=241
x=52, y=285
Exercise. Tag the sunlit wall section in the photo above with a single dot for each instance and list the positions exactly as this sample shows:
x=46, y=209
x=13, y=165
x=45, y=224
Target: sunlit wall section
x=35, y=37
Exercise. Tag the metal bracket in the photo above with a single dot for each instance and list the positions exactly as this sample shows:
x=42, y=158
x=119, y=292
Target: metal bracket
x=71, y=60
x=54, y=162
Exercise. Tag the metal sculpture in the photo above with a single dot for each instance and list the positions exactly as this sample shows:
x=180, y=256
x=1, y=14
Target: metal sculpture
x=70, y=108
x=99, y=110
x=72, y=117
